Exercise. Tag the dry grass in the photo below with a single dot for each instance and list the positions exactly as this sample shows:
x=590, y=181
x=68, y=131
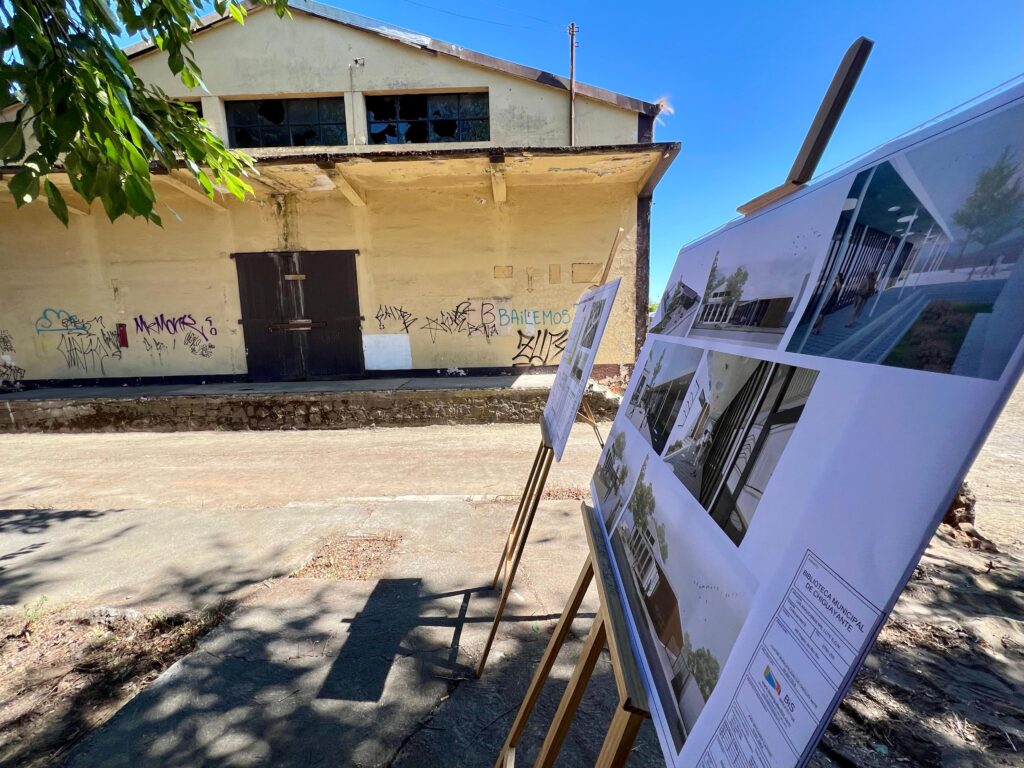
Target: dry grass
x=64, y=672
x=350, y=558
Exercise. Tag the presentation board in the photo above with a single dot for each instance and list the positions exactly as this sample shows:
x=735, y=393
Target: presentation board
x=817, y=381
x=577, y=362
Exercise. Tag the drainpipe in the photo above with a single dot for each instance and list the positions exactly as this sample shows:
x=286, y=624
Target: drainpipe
x=573, y=29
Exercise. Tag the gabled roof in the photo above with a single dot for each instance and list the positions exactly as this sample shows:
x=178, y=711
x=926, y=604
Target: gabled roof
x=427, y=43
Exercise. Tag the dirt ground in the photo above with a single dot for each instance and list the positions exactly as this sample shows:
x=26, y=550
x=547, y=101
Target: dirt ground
x=944, y=685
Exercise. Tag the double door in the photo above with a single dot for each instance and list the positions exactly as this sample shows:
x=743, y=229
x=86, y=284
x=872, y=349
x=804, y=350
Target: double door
x=300, y=314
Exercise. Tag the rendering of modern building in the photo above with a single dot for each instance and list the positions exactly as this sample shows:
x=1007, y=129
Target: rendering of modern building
x=678, y=310
x=418, y=206
x=732, y=429
x=916, y=279
x=656, y=398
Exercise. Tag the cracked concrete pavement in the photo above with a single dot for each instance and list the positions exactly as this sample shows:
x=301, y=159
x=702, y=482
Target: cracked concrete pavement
x=309, y=672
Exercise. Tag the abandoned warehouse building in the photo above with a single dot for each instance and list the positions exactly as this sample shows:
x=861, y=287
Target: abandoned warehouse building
x=418, y=208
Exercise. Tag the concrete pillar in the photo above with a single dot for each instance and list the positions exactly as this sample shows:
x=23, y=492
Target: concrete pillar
x=355, y=118
x=213, y=113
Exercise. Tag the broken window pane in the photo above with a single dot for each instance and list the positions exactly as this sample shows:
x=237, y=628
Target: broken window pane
x=416, y=133
x=305, y=136
x=271, y=112
x=444, y=130
x=380, y=108
x=444, y=105
x=412, y=107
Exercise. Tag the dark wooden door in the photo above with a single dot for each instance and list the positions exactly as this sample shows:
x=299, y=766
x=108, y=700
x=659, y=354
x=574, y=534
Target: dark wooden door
x=331, y=300
x=300, y=314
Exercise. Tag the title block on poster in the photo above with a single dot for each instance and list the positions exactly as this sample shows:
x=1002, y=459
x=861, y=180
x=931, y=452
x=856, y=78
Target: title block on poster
x=576, y=363
x=817, y=381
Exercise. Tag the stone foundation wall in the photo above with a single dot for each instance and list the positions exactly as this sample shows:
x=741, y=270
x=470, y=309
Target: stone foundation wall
x=321, y=410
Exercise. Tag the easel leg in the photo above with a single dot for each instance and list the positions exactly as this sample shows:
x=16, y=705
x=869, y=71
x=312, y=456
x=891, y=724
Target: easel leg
x=519, y=545
x=507, y=755
x=619, y=739
x=517, y=520
x=573, y=694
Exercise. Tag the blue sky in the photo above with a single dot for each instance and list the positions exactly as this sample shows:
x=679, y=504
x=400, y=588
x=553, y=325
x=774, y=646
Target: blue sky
x=744, y=78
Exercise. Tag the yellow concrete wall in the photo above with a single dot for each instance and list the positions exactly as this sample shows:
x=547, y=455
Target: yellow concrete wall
x=308, y=55
x=425, y=250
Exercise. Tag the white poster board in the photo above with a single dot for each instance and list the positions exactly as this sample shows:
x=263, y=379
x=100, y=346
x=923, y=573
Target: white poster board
x=818, y=379
x=576, y=362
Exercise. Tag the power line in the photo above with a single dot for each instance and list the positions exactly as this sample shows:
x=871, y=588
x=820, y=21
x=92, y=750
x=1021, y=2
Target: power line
x=473, y=18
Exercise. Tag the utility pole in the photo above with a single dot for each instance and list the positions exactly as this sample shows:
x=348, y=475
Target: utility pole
x=573, y=29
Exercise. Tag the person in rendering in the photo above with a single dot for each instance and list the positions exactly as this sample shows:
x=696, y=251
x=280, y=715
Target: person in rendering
x=830, y=303
x=865, y=291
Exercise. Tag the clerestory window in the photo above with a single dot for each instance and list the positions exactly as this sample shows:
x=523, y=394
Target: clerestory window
x=286, y=122
x=426, y=118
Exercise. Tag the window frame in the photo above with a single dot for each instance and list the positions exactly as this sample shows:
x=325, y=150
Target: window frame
x=394, y=119
x=259, y=123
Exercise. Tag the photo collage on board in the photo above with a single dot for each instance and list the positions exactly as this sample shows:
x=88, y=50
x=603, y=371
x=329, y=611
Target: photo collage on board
x=577, y=361
x=914, y=262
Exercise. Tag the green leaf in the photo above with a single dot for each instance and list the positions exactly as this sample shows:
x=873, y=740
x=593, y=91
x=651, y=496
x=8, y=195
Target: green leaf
x=140, y=196
x=237, y=12
x=24, y=185
x=12, y=141
x=56, y=201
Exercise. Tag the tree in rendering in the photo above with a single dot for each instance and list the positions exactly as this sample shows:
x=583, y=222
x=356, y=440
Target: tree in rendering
x=616, y=471
x=996, y=206
x=642, y=502
x=72, y=102
x=735, y=283
x=713, y=279
x=702, y=665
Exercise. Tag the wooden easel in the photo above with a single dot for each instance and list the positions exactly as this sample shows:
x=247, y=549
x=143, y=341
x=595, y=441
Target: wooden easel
x=609, y=627
x=515, y=540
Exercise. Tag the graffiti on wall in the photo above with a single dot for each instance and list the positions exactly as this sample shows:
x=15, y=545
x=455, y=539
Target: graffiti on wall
x=172, y=325
x=394, y=315
x=89, y=345
x=542, y=347
x=472, y=317
x=59, y=321
x=486, y=318
x=526, y=316
x=10, y=374
x=160, y=333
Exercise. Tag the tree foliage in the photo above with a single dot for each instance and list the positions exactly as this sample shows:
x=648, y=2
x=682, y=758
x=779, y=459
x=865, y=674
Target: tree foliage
x=996, y=205
x=703, y=665
x=642, y=502
x=80, y=107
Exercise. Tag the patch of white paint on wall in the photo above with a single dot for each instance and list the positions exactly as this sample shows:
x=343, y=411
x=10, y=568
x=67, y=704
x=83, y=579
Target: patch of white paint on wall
x=387, y=351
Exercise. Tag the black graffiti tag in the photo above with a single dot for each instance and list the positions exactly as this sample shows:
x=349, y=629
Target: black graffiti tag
x=542, y=347
x=387, y=313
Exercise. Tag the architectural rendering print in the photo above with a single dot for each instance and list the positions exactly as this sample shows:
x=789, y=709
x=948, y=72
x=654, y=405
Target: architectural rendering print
x=689, y=600
x=925, y=268
x=657, y=392
x=678, y=307
x=732, y=428
x=751, y=299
